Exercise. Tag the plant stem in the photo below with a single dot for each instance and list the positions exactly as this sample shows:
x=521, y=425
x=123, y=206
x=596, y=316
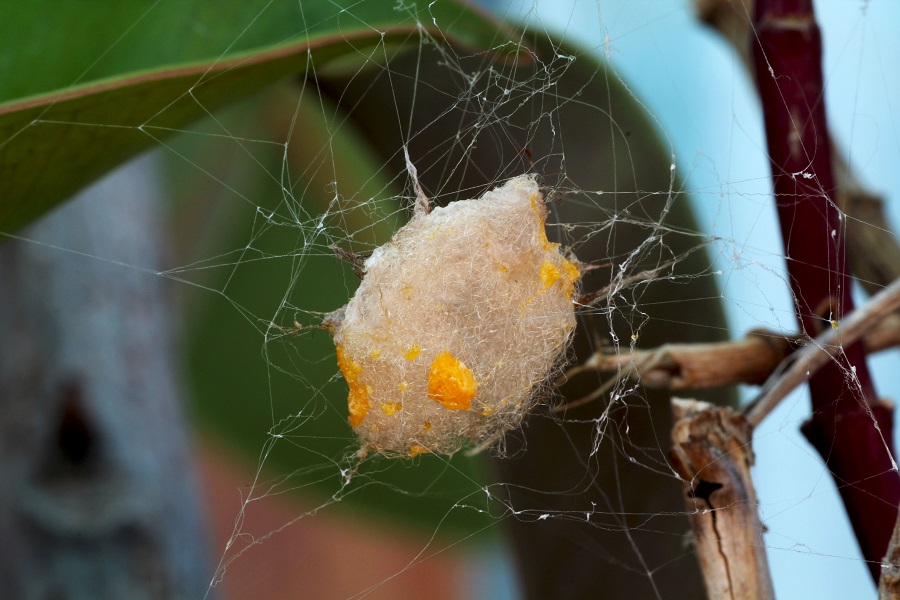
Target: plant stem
x=757, y=359
x=849, y=427
x=872, y=245
x=712, y=452
x=889, y=586
x=823, y=350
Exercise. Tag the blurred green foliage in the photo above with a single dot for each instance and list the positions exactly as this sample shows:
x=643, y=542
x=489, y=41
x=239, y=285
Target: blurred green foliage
x=86, y=86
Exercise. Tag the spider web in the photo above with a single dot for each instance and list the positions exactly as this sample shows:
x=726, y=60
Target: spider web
x=269, y=189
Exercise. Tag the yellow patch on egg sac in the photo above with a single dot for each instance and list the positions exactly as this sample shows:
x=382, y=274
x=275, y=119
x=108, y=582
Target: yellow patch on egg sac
x=451, y=383
x=358, y=399
x=477, y=279
x=389, y=408
x=415, y=450
x=549, y=274
x=571, y=275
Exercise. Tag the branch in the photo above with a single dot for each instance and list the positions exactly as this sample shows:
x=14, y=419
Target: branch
x=711, y=451
x=696, y=366
x=826, y=348
x=872, y=247
x=849, y=427
x=752, y=360
x=889, y=586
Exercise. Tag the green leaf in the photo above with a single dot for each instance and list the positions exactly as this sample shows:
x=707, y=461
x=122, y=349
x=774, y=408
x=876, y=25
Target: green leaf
x=85, y=86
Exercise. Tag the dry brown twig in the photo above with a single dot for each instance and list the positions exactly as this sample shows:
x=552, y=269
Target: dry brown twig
x=697, y=366
x=820, y=351
x=712, y=452
x=889, y=584
x=757, y=358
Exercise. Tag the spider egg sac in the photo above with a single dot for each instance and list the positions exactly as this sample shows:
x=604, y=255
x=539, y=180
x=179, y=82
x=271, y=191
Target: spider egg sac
x=457, y=323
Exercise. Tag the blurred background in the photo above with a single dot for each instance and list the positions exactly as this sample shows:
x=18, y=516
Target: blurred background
x=175, y=427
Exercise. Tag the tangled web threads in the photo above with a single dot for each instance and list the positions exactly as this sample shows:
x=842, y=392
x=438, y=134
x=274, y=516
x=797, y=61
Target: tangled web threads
x=457, y=324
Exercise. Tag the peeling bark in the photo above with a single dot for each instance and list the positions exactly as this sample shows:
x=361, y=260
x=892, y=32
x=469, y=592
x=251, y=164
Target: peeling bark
x=711, y=451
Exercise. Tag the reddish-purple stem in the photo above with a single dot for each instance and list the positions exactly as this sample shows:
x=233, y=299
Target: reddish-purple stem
x=850, y=427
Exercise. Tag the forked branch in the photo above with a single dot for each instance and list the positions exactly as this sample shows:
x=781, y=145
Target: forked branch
x=823, y=350
x=782, y=362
